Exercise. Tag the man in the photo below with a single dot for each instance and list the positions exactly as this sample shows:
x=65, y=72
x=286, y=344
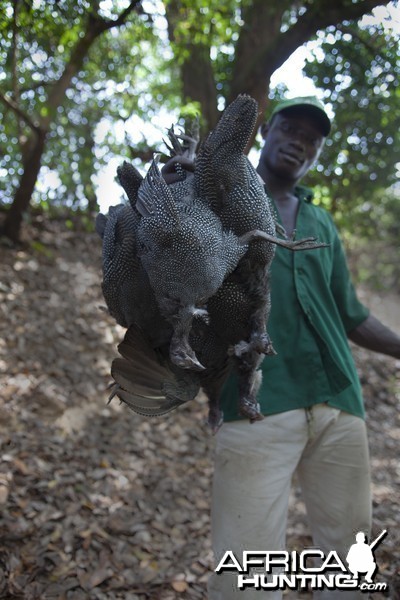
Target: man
x=310, y=395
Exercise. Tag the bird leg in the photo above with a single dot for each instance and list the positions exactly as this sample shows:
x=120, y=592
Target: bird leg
x=249, y=379
x=259, y=342
x=215, y=418
x=190, y=141
x=308, y=243
x=248, y=355
x=180, y=351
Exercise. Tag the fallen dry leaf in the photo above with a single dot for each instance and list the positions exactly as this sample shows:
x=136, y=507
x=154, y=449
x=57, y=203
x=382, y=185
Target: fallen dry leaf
x=180, y=586
x=99, y=502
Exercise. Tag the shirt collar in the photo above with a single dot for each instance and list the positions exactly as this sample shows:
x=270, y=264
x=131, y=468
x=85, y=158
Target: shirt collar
x=304, y=193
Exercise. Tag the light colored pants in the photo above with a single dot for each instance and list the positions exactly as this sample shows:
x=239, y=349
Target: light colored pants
x=254, y=466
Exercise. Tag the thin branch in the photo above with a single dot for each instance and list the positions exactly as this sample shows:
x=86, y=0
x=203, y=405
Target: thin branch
x=134, y=5
x=333, y=14
x=36, y=85
x=268, y=57
x=106, y=24
x=372, y=49
x=94, y=28
x=14, y=51
x=7, y=101
x=14, y=61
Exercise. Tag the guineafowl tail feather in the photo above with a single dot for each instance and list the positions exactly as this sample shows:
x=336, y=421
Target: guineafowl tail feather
x=145, y=382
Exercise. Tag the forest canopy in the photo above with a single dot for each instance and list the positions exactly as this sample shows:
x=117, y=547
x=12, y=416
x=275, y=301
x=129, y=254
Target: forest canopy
x=81, y=76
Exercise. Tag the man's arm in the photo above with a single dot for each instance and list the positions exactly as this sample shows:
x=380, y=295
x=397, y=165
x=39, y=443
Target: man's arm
x=373, y=335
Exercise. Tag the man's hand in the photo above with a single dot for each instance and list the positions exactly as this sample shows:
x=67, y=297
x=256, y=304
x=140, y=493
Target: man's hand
x=169, y=171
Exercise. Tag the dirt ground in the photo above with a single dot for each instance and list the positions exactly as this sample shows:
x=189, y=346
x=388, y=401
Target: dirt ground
x=100, y=503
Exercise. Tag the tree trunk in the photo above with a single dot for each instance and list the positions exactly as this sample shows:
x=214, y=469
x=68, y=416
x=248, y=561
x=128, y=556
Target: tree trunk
x=33, y=151
x=198, y=69
x=197, y=76
x=32, y=159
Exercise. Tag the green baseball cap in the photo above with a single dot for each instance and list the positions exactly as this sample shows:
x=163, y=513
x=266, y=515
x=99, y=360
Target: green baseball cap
x=308, y=104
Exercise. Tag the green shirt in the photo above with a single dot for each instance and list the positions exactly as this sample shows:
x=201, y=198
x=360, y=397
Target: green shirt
x=314, y=306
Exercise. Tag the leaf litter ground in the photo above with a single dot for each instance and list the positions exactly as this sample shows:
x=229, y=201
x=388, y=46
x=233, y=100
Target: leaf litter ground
x=97, y=502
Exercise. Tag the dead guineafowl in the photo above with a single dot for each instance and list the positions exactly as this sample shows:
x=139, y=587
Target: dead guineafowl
x=186, y=254
x=194, y=280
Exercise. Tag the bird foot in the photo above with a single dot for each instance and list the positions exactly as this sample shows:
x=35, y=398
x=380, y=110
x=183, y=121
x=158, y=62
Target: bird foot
x=215, y=419
x=250, y=409
x=308, y=243
x=259, y=343
x=305, y=244
x=202, y=313
x=189, y=145
x=185, y=359
x=239, y=349
x=180, y=351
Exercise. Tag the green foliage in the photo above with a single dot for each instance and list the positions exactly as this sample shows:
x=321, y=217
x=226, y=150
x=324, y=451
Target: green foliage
x=190, y=110
x=135, y=72
x=360, y=69
x=118, y=79
x=212, y=26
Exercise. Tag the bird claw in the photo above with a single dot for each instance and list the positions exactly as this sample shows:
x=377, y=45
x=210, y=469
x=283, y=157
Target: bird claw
x=185, y=359
x=239, y=349
x=306, y=243
x=215, y=419
x=202, y=313
x=251, y=410
x=259, y=343
x=187, y=148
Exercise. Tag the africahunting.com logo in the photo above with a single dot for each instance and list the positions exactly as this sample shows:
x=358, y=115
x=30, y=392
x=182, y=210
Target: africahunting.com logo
x=309, y=569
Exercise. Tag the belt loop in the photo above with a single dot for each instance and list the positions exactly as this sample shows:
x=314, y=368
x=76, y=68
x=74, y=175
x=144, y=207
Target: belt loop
x=310, y=421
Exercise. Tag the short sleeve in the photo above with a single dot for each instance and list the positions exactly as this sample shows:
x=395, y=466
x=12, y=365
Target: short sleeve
x=351, y=310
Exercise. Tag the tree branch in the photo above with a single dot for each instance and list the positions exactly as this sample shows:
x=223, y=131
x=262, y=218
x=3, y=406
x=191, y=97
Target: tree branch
x=372, y=49
x=134, y=5
x=20, y=113
x=319, y=16
x=258, y=65
x=36, y=85
x=107, y=24
x=14, y=52
x=195, y=66
x=262, y=48
x=94, y=28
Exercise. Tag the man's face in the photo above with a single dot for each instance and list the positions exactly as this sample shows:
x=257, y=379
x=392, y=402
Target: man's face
x=292, y=143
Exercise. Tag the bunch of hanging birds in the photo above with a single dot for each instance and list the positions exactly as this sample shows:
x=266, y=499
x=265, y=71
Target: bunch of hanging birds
x=186, y=271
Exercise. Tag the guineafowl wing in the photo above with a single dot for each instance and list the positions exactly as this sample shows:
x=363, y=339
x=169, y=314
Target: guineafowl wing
x=146, y=380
